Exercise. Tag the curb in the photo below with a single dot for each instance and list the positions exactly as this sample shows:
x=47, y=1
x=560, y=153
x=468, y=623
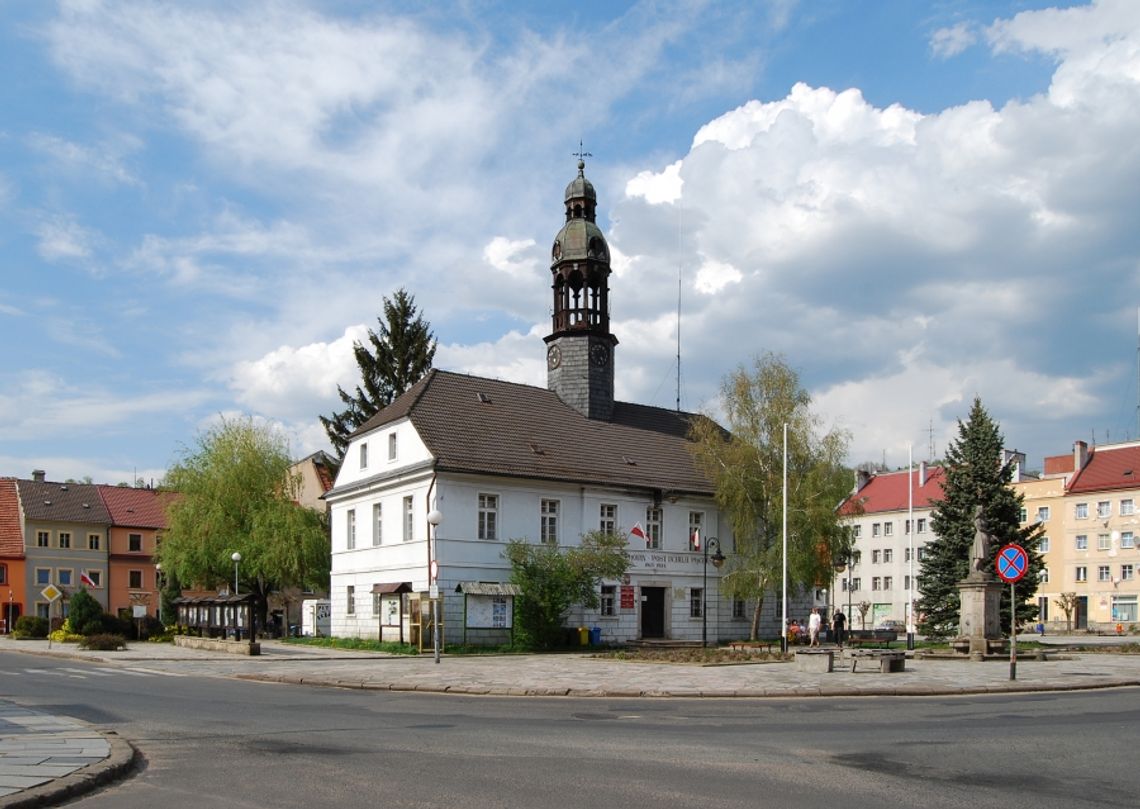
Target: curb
x=902, y=690
x=122, y=760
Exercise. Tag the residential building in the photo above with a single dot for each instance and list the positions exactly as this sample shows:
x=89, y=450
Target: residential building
x=1044, y=503
x=66, y=534
x=496, y=461
x=138, y=516
x=890, y=515
x=13, y=586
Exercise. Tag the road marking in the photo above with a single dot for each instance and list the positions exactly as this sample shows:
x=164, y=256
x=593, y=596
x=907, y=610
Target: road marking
x=85, y=672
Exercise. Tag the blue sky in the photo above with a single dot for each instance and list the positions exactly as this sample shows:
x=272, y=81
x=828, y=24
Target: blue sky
x=203, y=204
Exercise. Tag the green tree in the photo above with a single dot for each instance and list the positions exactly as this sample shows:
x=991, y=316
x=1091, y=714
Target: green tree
x=553, y=579
x=746, y=466
x=391, y=362
x=975, y=476
x=235, y=493
x=85, y=613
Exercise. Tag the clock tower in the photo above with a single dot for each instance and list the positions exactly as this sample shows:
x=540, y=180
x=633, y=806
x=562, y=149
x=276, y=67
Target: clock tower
x=580, y=348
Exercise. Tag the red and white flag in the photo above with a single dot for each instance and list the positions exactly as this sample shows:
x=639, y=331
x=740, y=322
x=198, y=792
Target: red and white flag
x=695, y=540
x=85, y=578
x=638, y=532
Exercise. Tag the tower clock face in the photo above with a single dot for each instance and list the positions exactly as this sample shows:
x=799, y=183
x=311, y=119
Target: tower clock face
x=599, y=355
x=553, y=357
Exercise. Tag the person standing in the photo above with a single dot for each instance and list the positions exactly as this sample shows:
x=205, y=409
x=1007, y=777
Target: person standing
x=814, y=622
x=838, y=623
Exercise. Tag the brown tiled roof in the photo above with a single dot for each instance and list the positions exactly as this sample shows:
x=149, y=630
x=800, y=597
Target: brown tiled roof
x=1112, y=467
x=134, y=508
x=11, y=531
x=474, y=424
x=888, y=492
x=1058, y=464
x=62, y=502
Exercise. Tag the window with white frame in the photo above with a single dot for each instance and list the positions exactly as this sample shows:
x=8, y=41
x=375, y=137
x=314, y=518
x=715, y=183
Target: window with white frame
x=134, y=543
x=96, y=577
x=1043, y=513
x=876, y=555
x=377, y=525
x=856, y=531
x=1024, y=514
x=876, y=583
x=548, y=522
x=1081, y=573
x=377, y=598
x=1104, y=509
x=888, y=582
x=1081, y=511
x=391, y=446
x=738, y=608
x=1127, y=508
x=1104, y=542
x=906, y=554
x=1043, y=576
x=1127, y=540
x=921, y=525
x=1124, y=608
x=350, y=600
x=1127, y=572
x=488, y=525
x=856, y=584
x=350, y=528
x=364, y=455
x=94, y=542
x=920, y=553
x=1043, y=545
x=42, y=539
x=906, y=527
x=1103, y=573
x=1082, y=541
x=857, y=557
x=607, y=518
x=65, y=539
x=888, y=555
x=409, y=518
x=653, y=527
x=696, y=602
x=65, y=577
x=608, y=600
x=876, y=529
x=888, y=529
x=696, y=528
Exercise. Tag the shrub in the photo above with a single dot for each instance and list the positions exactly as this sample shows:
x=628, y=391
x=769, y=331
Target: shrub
x=83, y=612
x=103, y=642
x=31, y=626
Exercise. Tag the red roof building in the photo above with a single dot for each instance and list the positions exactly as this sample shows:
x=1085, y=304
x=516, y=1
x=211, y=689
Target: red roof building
x=138, y=516
x=12, y=587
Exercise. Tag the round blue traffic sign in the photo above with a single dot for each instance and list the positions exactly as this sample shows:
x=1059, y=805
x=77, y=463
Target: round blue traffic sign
x=1012, y=563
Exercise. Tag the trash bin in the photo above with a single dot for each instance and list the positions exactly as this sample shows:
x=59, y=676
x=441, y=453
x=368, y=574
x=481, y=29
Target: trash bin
x=595, y=636
x=583, y=636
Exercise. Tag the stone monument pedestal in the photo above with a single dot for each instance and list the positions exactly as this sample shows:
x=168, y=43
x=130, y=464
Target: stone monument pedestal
x=979, y=624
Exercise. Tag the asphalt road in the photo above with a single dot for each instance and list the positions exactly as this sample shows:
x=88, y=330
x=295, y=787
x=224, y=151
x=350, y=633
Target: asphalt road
x=224, y=742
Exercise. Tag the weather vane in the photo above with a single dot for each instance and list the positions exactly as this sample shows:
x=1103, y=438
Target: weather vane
x=581, y=154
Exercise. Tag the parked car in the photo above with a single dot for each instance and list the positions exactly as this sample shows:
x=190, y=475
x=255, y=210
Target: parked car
x=892, y=626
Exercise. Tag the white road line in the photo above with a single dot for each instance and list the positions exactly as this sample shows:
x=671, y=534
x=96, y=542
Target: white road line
x=92, y=672
x=154, y=672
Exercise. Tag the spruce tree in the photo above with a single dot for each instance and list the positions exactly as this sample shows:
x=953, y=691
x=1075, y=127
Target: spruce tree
x=391, y=362
x=975, y=475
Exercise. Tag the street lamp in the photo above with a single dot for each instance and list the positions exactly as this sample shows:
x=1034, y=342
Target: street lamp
x=838, y=565
x=158, y=587
x=237, y=558
x=717, y=560
x=434, y=518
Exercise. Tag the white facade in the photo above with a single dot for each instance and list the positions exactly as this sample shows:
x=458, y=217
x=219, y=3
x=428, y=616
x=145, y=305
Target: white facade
x=882, y=574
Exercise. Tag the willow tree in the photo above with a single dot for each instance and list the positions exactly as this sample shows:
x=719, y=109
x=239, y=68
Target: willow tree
x=236, y=493
x=746, y=465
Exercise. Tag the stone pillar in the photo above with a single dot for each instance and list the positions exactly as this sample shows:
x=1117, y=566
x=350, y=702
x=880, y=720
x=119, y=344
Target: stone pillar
x=979, y=619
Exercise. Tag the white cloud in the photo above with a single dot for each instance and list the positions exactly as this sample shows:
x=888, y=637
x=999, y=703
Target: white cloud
x=61, y=238
x=713, y=276
x=510, y=256
x=657, y=187
x=105, y=160
x=951, y=41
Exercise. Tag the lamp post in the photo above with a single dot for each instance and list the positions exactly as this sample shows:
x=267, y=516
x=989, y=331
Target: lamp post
x=717, y=560
x=838, y=565
x=434, y=518
x=237, y=558
x=850, y=570
x=8, y=626
x=158, y=588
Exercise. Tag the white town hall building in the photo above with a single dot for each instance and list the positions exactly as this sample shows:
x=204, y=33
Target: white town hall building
x=497, y=461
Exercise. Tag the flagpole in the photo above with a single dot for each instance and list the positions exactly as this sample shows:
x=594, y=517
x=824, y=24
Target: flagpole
x=910, y=522
x=784, y=601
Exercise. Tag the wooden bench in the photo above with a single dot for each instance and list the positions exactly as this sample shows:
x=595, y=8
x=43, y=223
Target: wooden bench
x=889, y=660
x=752, y=645
x=870, y=637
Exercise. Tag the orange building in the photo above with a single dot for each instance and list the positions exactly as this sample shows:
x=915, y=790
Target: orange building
x=12, y=595
x=138, y=516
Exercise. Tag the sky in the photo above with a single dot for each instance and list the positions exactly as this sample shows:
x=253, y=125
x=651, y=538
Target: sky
x=203, y=205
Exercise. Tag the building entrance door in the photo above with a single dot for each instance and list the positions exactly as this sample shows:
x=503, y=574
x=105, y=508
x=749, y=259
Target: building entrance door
x=652, y=612
x=1082, y=617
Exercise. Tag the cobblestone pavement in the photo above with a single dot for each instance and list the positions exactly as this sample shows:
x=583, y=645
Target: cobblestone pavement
x=46, y=750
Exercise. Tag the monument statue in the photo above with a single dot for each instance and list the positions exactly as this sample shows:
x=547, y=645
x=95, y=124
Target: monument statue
x=982, y=542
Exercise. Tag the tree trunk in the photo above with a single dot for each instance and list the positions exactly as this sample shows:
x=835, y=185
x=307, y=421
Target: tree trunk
x=754, y=630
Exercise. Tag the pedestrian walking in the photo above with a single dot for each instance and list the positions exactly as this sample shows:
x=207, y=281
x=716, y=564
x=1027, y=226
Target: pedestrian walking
x=814, y=623
x=838, y=624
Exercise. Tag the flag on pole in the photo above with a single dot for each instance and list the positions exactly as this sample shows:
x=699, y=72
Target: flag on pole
x=695, y=540
x=638, y=532
x=86, y=579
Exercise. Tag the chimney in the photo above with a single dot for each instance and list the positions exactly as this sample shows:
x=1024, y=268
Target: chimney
x=921, y=474
x=862, y=478
x=1080, y=455
x=38, y=475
